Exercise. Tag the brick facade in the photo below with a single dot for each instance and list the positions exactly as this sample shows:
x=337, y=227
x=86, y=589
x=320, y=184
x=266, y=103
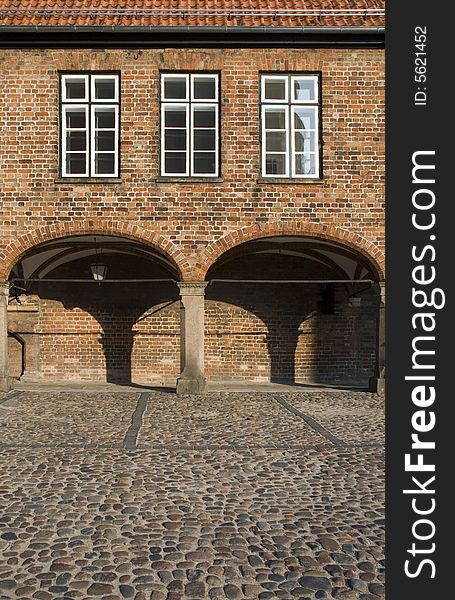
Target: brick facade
x=252, y=332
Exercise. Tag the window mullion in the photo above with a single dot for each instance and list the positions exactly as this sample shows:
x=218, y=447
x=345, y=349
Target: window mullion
x=190, y=136
x=289, y=151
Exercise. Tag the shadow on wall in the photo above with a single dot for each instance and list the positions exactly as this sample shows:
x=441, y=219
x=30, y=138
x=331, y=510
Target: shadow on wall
x=90, y=330
x=287, y=333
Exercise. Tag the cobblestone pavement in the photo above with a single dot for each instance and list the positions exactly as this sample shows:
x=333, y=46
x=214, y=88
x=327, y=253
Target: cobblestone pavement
x=224, y=496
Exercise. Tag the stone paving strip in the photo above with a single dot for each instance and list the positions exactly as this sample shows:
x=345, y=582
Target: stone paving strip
x=352, y=417
x=67, y=419
x=311, y=422
x=222, y=420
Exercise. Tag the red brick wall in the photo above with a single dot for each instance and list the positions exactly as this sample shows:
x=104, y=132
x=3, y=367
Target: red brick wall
x=186, y=218
x=192, y=215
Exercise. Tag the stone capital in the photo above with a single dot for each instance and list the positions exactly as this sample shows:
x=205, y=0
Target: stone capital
x=196, y=288
x=4, y=289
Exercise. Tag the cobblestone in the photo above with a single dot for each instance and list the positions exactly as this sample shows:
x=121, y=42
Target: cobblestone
x=224, y=509
x=221, y=419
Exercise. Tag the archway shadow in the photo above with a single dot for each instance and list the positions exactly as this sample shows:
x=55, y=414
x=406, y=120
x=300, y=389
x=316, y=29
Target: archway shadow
x=312, y=335
x=116, y=307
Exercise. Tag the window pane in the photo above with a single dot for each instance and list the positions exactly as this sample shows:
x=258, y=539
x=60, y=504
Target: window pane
x=75, y=118
x=275, y=164
x=105, y=118
x=104, y=164
x=75, y=164
x=104, y=89
x=305, y=164
x=204, y=139
x=175, y=162
x=305, y=118
x=204, y=88
x=204, y=116
x=305, y=90
x=174, y=117
x=305, y=141
x=104, y=140
x=275, y=119
x=75, y=140
x=275, y=90
x=75, y=89
x=275, y=141
x=204, y=162
x=175, y=139
x=175, y=88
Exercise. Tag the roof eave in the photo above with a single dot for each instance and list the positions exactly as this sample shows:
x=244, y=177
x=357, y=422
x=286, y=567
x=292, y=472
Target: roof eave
x=223, y=36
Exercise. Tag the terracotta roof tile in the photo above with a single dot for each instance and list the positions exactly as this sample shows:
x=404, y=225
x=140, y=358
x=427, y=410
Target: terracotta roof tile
x=285, y=13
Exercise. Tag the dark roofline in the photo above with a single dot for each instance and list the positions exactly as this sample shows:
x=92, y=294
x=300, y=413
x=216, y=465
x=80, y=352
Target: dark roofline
x=190, y=36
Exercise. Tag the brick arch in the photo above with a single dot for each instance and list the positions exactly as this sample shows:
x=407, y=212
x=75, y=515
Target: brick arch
x=330, y=233
x=10, y=255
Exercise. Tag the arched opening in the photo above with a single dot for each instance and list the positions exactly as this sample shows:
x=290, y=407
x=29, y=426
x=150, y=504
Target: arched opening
x=106, y=309
x=291, y=309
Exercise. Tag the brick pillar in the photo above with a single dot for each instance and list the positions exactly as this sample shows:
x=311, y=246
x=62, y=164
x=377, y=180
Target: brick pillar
x=377, y=382
x=5, y=382
x=192, y=379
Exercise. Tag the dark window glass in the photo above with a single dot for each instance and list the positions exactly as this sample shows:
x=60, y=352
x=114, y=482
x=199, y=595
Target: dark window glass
x=105, y=118
x=275, y=119
x=204, y=117
x=75, y=164
x=75, y=119
x=175, y=162
x=75, y=89
x=275, y=141
x=204, y=88
x=275, y=164
x=174, y=117
x=175, y=88
x=104, y=164
x=104, y=89
x=104, y=140
x=75, y=140
x=204, y=139
x=204, y=162
x=175, y=139
x=275, y=90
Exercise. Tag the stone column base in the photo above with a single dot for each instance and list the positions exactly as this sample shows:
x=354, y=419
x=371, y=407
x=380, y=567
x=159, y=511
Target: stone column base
x=31, y=378
x=197, y=385
x=377, y=385
x=6, y=384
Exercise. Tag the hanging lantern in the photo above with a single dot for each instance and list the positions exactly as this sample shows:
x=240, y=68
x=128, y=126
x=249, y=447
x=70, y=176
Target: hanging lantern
x=99, y=271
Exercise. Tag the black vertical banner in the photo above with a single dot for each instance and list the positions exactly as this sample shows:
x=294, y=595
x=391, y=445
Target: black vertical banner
x=419, y=300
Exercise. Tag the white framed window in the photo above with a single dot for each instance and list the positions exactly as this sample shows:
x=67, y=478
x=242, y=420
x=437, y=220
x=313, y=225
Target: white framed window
x=190, y=125
x=89, y=125
x=290, y=126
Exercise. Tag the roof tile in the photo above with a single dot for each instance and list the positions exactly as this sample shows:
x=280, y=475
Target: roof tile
x=248, y=13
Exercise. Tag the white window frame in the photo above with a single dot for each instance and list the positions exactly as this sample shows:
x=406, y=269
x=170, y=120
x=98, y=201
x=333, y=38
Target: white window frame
x=280, y=107
x=65, y=108
x=94, y=78
x=75, y=76
x=90, y=104
x=181, y=105
x=165, y=76
x=284, y=78
x=190, y=104
x=292, y=105
x=93, y=130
